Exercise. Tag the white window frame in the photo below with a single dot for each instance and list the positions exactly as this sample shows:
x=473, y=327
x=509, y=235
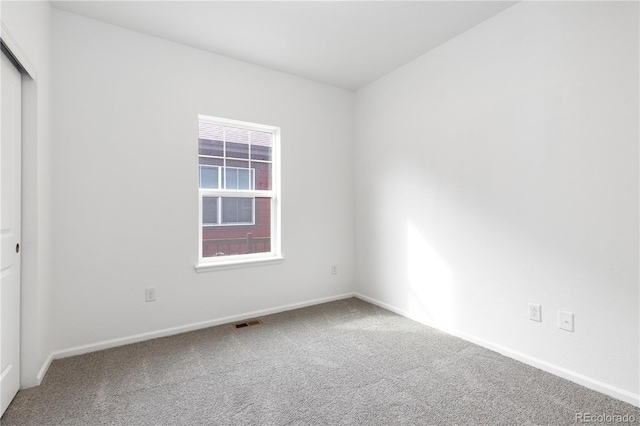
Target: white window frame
x=240, y=260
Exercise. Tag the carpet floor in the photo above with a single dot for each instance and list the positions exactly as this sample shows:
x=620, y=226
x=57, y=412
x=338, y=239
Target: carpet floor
x=340, y=363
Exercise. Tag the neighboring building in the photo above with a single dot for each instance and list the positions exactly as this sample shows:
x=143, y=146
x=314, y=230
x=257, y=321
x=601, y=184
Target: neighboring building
x=235, y=160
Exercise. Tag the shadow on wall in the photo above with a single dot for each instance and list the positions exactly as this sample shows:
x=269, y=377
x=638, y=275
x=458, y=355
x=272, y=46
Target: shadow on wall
x=430, y=281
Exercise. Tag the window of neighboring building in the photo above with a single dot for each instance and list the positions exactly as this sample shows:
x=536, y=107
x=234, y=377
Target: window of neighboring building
x=238, y=191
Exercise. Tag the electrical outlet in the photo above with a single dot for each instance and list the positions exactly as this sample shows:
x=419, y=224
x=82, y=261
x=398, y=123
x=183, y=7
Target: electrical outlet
x=535, y=312
x=565, y=320
x=334, y=269
x=149, y=294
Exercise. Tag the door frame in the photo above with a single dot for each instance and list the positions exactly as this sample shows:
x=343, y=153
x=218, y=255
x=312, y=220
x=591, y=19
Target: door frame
x=11, y=47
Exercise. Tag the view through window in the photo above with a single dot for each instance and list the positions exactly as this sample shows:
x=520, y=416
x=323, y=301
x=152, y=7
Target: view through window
x=238, y=200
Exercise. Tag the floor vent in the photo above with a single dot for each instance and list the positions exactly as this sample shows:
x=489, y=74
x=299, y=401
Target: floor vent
x=247, y=323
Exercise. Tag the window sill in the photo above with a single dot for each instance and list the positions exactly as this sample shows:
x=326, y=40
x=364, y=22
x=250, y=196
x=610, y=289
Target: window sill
x=238, y=263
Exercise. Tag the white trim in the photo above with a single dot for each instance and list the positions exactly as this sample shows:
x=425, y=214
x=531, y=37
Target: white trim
x=12, y=46
x=79, y=350
x=588, y=382
x=276, y=200
x=236, y=123
x=235, y=193
x=5, y=372
x=217, y=157
x=44, y=369
x=235, y=261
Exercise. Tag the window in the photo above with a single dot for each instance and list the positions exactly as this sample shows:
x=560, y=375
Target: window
x=238, y=192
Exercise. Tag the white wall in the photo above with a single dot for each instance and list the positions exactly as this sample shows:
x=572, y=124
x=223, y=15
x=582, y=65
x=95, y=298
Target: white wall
x=29, y=24
x=502, y=168
x=125, y=184
x=496, y=170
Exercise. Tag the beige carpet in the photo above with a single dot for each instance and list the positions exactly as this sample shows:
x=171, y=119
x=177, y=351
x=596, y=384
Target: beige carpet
x=344, y=363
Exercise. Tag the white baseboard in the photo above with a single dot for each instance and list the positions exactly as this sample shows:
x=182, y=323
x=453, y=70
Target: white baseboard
x=32, y=381
x=588, y=382
x=79, y=350
x=43, y=369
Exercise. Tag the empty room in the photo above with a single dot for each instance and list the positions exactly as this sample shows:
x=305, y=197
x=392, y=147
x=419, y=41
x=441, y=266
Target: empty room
x=320, y=212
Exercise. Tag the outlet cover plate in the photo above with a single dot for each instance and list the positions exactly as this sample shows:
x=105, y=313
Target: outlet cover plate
x=149, y=294
x=565, y=320
x=535, y=312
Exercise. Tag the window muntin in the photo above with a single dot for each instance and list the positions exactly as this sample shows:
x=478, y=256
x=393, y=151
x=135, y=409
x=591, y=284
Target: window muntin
x=238, y=191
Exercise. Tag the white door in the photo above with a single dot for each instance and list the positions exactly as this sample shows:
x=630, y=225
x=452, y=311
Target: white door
x=10, y=213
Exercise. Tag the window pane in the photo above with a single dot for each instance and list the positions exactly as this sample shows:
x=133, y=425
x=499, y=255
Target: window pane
x=260, y=153
x=240, y=239
x=261, y=143
x=208, y=177
x=244, y=179
x=210, y=147
x=214, y=132
x=262, y=175
x=209, y=210
x=236, y=135
x=237, y=210
x=236, y=178
x=245, y=210
x=238, y=163
x=210, y=161
x=231, y=178
x=261, y=232
x=237, y=150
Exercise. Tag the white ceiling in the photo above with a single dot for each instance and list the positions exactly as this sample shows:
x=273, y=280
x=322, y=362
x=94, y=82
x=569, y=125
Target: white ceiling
x=346, y=44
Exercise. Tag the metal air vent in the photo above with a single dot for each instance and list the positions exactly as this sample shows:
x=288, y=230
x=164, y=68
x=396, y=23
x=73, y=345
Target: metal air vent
x=247, y=323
